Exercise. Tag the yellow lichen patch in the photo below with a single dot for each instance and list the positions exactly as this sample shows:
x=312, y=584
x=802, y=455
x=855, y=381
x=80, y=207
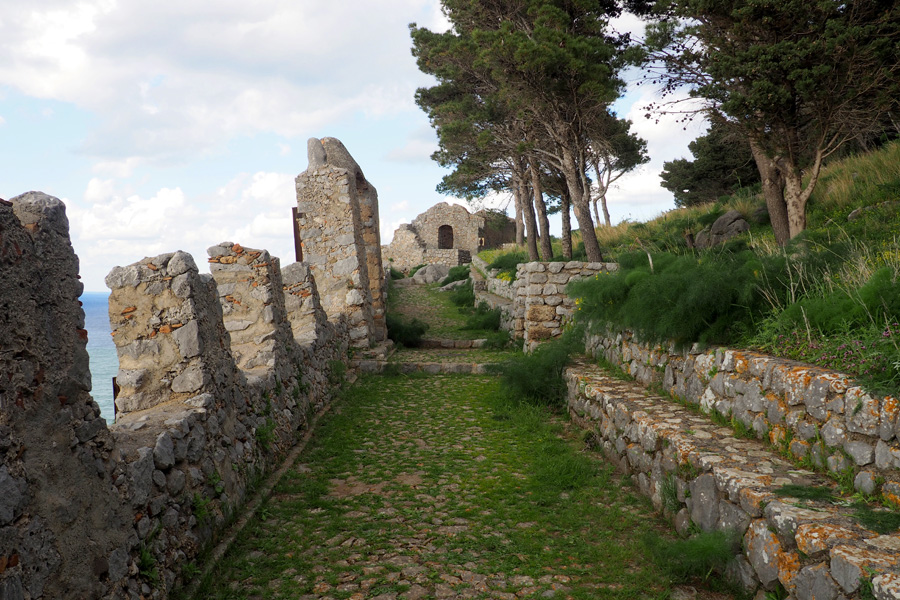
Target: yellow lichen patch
x=776, y=434
x=890, y=407
x=788, y=568
x=753, y=499
x=815, y=537
x=741, y=364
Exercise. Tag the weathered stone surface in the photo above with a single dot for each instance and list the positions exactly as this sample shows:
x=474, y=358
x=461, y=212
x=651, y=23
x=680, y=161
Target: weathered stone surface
x=815, y=583
x=12, y=496
x=705, y=511
x=763, y=549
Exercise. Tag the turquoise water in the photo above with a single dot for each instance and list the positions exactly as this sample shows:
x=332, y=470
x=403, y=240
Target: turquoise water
x=104, y=361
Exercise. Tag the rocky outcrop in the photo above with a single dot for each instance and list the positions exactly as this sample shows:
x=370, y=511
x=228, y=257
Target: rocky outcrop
x=729, y=225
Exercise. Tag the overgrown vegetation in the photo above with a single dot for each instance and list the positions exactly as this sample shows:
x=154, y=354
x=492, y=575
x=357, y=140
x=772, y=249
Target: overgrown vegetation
x=831, y=298
x=464, y=295
x=698, y=556
x=408, y=333
x=536, y=378
x=457, y=273
x=483, y=317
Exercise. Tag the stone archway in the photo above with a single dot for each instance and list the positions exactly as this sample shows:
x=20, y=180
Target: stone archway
x=445, y=237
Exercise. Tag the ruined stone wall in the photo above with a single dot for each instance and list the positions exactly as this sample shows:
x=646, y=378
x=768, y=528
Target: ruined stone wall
x=64, y=532
x=338, y=224
x=91, y=511
x=819, y=414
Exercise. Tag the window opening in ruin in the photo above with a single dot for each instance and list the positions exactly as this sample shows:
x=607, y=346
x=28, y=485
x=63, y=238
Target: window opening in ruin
x=445, y=237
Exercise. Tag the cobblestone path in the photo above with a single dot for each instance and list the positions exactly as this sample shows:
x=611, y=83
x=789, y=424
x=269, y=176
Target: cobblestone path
x=433, y=486
x=422, y=302
x=430, y=488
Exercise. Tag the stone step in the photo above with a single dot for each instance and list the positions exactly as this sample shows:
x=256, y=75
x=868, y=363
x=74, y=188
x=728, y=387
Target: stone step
x=431, y=368
x=703, y=477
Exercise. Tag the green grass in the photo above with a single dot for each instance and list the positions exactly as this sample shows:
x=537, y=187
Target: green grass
x=450, y=477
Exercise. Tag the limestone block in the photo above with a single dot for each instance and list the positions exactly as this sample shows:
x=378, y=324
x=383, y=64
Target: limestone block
x=849, y=564
x=763, y=550
x=190, y=380
x=815, y=583
x=705, y=509
x=886, y=586
x=539, y=313
x=862, y=453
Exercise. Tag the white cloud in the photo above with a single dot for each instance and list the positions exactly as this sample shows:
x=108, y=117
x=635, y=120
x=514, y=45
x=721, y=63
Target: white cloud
x=397, y=206
x=113, y=225
x=170, y=80
x=284, y=149
x=2, y=120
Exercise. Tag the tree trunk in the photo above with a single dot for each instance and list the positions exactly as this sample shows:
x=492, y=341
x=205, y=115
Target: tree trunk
x=531, y=233
x=541, y=208
x=605, y=210
x=520, y=222
x=795, y=202
x=773, y=192
x=566, y=226
x=580, y=206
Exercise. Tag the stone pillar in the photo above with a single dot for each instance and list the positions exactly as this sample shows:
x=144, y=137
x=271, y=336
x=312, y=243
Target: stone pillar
x=169, y=333
x=61, y=517
x=330, y=220
x=301, y=299
x=250, y=292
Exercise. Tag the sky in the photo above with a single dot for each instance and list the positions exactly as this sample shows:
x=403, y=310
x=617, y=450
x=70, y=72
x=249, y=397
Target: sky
x=176, y=126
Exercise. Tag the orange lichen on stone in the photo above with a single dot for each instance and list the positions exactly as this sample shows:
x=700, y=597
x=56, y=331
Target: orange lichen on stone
x=753, y=499
x=776, y=434
x=741, y=364
x=816, y=537
x=788, y=568
x=129, y=309
x=153, y=334
x=890, y=407
x=152, y=267
x=165, y=329
x=237, y=249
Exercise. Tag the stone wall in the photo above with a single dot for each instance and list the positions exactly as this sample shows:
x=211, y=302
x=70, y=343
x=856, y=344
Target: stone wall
x=337, y=216
x=539, y=308
x=820, y=415
x=218, y=375
x=703, y=477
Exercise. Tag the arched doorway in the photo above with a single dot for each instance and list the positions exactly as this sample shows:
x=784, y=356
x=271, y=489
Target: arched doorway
x=445, y=237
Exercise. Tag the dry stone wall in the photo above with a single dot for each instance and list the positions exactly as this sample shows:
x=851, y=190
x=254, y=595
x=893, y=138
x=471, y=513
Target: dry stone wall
x=702, y=476
x=218, y=374
x=821, y=416
x=539, y=308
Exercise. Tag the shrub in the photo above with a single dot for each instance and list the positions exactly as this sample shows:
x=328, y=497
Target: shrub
x=457, y=273
x=484, y=317
x=464, y=295
x=508, y=263
x=396, y=274
x=497, y=340
x=406, y=333
x=536, y=378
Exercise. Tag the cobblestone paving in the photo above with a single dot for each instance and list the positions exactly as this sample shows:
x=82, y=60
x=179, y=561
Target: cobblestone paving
x=449, y=355
x=429, y=488
x=435, y=308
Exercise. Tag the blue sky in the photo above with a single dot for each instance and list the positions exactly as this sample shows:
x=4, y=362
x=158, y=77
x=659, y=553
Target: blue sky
x=175, y=127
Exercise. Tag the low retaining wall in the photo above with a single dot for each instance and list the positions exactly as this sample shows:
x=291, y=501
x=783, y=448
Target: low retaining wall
x=703, y=477
x=820, y=416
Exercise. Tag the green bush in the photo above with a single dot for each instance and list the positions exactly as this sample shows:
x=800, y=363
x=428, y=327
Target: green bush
x=484, y=317
x=406, y=333
x=396, y=274
x=679, y=298
x=508, y=263
x=457, y=273
x=537, y=378
x=497, y=340
x=464, y=295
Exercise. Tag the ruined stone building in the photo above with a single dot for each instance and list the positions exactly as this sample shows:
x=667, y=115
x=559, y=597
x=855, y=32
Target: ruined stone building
x=447, y=234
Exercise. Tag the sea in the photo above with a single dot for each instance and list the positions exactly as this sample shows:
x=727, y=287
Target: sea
x=101, y=349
